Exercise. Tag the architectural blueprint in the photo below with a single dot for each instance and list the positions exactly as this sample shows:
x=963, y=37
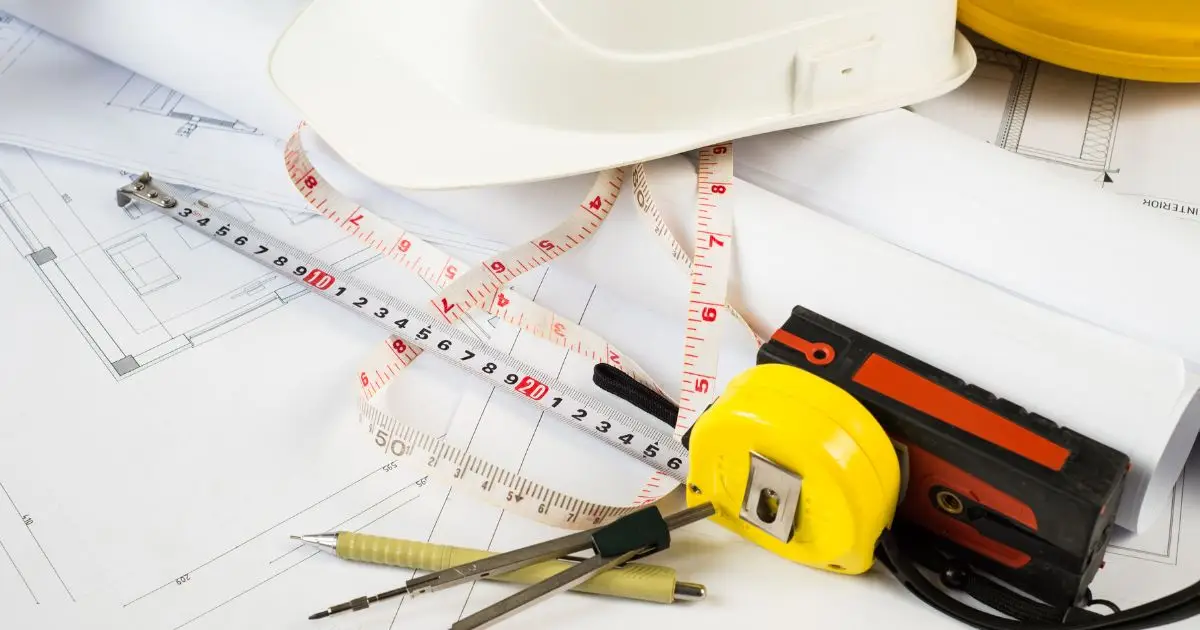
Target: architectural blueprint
x=142, y=492
x=15, y=37
x=1129, y=137
x=99, y=112
x=143, y=95
x=33, y=576
x=140, y=288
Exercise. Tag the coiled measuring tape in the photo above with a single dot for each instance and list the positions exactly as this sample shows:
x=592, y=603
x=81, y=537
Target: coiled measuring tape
x=437, y=326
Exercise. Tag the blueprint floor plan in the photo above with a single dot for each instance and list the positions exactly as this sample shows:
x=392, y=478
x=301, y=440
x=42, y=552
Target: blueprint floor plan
x=1130, y=137
x=140, y=287
x=98, y=112
x=140, y=94
x=222, y=421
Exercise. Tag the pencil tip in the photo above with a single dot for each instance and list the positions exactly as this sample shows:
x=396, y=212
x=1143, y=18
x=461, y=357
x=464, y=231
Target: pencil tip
x=294, y=537
x=321, y=615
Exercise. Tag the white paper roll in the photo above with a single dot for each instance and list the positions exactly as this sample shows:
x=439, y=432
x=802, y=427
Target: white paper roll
x=995, y=215
x=1109, y=387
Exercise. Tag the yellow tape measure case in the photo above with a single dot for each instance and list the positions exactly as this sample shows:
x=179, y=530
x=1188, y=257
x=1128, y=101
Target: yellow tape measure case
x=796, y=465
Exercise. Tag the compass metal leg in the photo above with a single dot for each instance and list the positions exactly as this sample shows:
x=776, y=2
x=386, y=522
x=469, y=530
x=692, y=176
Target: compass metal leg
x=560, y=582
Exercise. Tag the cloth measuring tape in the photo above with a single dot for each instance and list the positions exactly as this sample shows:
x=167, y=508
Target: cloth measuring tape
x=436, y=327
x=482, y=287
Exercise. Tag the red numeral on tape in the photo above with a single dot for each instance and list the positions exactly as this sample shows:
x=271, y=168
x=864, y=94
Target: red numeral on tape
x=320, y=279
x=532, y=388
x=709, y=314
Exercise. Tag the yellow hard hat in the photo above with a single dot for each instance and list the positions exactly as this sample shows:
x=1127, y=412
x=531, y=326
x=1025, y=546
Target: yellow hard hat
x=1154, y=40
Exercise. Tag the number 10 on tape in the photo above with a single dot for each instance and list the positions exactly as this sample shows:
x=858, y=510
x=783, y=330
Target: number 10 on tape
x=645, y=442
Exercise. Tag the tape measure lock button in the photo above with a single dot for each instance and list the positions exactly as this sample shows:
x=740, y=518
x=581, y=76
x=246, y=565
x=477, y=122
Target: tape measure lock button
x=795, y=465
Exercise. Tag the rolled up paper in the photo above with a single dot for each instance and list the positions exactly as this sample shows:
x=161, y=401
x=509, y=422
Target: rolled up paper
x=1003, y=218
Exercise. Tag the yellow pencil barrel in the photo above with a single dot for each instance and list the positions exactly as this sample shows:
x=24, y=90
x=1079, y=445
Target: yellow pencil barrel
x=646, y=582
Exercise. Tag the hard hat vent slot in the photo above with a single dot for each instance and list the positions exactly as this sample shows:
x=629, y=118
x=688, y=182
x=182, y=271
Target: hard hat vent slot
x=832, y=77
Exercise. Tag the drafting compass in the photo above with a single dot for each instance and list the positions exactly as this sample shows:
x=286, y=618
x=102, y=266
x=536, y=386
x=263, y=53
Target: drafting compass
x=633, y=536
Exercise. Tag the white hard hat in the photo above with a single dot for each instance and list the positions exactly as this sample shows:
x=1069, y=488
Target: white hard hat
x=456, y=93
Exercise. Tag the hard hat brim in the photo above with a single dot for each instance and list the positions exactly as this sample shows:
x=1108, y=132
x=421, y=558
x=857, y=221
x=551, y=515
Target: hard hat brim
x=403, y=133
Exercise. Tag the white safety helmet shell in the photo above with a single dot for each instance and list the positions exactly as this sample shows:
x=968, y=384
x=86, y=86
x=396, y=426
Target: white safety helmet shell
x=456, y=93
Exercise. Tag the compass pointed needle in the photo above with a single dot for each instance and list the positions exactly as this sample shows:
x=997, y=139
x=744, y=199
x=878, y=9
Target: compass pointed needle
x=359, y=603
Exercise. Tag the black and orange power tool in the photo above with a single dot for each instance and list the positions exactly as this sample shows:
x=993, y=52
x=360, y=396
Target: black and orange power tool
x=1002, y=504
x=988, y=485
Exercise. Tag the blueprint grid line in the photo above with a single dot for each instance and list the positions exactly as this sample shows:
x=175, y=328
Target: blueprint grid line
x=15, y=37
x=263, y=532
x=1174, y=520
x=305, y=559
x=19, y=574
x=27, y=520
x=558, y=374
x=310, y=556
x=139, y=94
x=428, y=538
x=1095, y=143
